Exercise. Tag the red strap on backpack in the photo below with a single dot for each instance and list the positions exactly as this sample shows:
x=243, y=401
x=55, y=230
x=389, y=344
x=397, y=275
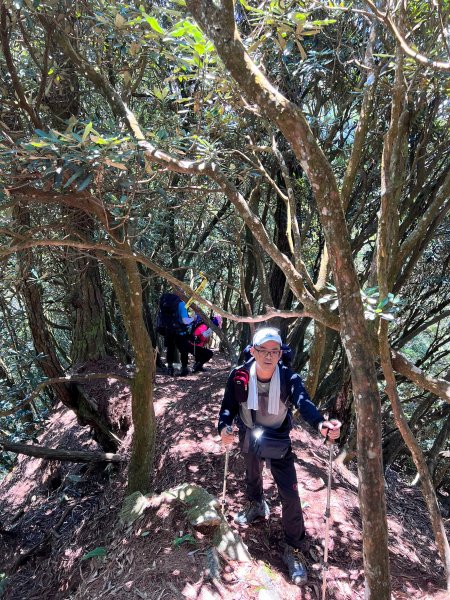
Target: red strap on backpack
x=240, y=381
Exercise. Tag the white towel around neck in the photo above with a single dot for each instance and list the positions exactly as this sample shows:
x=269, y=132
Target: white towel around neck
x=274, y=391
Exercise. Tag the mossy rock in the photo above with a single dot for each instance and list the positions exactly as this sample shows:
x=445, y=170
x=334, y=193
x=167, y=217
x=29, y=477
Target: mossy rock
x=133, y=507
x=203, y=510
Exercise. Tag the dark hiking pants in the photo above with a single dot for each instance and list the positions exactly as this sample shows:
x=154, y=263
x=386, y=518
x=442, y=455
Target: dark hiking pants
x=174, y=341
x=185, y=347
x=283, y=472
x=201, y=354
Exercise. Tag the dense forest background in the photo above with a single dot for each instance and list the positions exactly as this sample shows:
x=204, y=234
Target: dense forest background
x=296, y=154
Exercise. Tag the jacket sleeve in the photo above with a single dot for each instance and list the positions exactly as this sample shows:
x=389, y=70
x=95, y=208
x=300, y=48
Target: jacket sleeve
x=301, y=400
x=203, y=332
x=230, y=406
x=183, y=314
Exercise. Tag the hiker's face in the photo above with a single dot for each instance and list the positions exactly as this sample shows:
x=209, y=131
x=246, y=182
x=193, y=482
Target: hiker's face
x=267, y=355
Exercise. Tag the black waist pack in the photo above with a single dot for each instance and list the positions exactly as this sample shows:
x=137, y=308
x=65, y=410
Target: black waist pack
x=269, y=443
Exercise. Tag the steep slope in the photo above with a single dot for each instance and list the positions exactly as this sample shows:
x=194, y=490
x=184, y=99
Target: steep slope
x=54, y=514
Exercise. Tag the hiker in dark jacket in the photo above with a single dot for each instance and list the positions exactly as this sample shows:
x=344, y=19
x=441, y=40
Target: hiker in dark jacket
x=257, y=395
x=173, y=323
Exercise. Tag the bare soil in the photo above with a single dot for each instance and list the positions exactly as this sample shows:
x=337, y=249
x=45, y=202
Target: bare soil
x=53, y=514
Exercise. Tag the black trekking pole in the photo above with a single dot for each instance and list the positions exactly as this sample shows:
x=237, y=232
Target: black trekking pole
x=327, y=520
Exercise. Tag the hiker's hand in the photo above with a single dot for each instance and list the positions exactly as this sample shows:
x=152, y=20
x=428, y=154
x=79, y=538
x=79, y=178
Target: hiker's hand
x=331, y=429
x=227, y=437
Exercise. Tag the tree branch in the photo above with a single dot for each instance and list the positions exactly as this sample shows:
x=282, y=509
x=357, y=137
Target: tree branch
x=424, y=60
x=437, y=386
x=60, y=453
x=23, y=102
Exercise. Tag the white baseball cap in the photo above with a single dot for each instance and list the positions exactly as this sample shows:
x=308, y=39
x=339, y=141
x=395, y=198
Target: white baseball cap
x=266, y=334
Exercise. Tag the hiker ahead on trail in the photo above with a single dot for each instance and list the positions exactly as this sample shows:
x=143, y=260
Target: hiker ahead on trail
x=257, y=396
x=174, y=324
x=199, y=340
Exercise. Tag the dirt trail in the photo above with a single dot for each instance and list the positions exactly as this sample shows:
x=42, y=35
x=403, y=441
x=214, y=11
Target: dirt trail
x=54, y=514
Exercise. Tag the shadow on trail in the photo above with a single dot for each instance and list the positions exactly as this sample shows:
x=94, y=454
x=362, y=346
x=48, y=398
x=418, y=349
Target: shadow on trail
x=189, y=450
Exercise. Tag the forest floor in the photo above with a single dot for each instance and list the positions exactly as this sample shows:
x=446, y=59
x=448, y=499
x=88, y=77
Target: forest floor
x=53, y=514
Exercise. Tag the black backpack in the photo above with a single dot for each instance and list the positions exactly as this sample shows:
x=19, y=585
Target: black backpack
x=168, y=320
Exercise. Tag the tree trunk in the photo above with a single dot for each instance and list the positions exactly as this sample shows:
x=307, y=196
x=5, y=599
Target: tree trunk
x=86, y=297
x=277, y=278
x=439, y=444
x=416, y=453
x=69, y=394
x=394, y=443
x=125, y=276
x=218, y=21
x=315, y=358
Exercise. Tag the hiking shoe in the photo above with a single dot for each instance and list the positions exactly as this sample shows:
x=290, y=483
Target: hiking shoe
x=295, y=562
x=198, y=367
x=170, y=371
x=253, y=511
x=184, y=371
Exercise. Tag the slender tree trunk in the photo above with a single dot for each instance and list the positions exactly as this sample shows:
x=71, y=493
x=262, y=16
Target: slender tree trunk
x=394, y=443
x=125, y=276
x=27, y=411
x=439, y=444
x=315, y=358
x=392, y=174
x=89, y=333
x=277, y=278
x=428, y=491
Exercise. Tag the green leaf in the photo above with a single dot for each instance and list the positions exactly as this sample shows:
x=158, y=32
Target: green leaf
x=185, y=538
x=99, y=140
x=179, y=31
x=324, y=22
x=39, y=144
x=72, y=178
x=99, y=551
x=153, y=23
x=43, y=134
x=383, y=303
x=83, y=185
x=86, y=132
x=200, y=49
